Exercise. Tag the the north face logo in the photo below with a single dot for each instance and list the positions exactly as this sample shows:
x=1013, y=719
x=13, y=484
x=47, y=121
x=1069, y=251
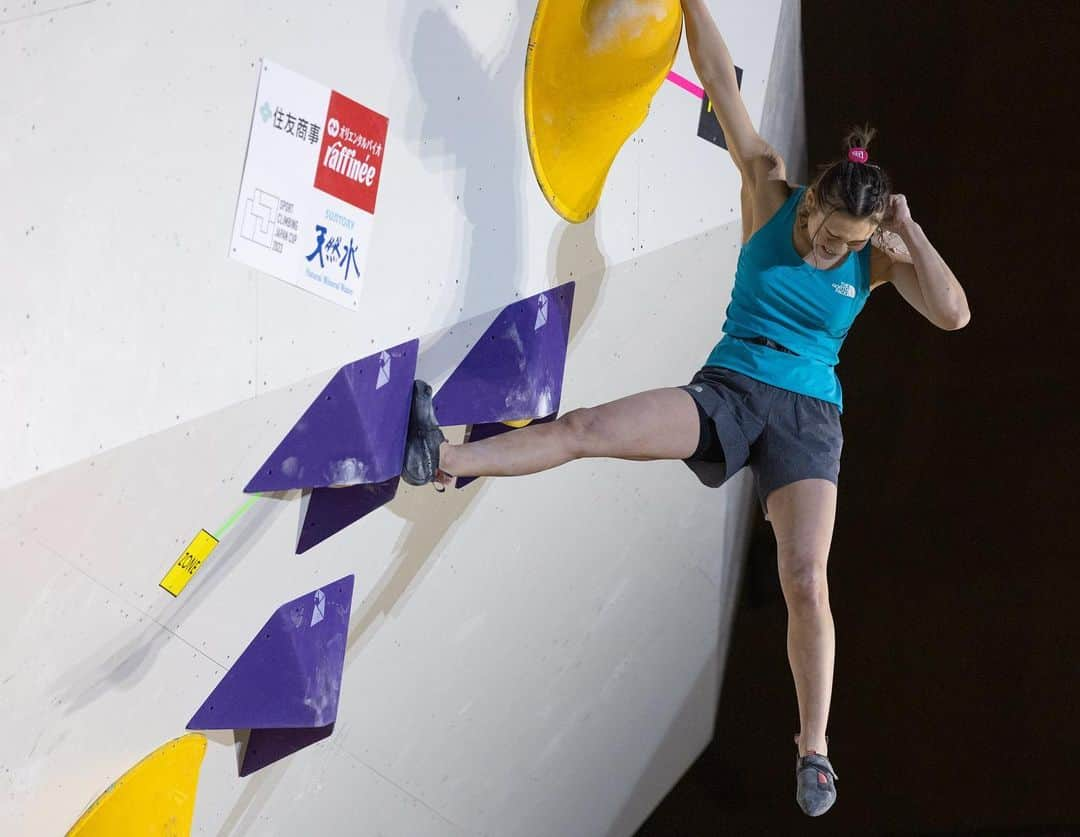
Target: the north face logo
x=844, y=289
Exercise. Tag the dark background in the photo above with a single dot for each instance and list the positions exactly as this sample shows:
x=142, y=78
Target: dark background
x=955, y=564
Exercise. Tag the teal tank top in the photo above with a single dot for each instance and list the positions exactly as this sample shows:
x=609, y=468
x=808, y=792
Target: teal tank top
x=803, y=308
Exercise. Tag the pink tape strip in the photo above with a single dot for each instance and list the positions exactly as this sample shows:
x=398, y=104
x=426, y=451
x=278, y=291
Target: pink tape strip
x=686, y=84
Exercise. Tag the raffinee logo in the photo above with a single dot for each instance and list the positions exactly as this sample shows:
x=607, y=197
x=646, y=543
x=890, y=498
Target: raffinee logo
x=351, y=154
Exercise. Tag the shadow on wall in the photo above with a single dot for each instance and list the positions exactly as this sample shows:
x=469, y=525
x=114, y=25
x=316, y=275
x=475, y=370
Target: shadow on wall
x=466, y=117
x=471, y=114
x=258, y=790
x=121, y=666
x=577, y=256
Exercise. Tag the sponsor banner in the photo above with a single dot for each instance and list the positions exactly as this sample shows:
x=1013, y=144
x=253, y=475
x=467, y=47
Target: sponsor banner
x=310, y=185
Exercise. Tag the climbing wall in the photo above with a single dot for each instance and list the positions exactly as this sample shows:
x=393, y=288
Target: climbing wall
x=528, y=656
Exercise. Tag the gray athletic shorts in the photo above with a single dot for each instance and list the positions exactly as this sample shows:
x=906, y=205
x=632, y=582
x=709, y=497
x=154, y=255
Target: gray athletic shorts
x=783, y=436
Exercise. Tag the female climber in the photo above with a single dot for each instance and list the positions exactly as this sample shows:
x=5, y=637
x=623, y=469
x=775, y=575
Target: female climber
x=768, y=395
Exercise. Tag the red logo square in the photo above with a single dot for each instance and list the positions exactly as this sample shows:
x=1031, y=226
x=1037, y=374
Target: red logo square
x=351, y=156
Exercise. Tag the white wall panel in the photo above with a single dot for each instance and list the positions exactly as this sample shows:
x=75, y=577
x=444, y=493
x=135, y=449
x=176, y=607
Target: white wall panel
x=125, y=316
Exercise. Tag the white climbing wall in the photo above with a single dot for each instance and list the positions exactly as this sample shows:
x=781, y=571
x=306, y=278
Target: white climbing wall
x=529, y=656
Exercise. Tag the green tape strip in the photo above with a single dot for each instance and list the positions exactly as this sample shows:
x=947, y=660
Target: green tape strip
x=236, y=516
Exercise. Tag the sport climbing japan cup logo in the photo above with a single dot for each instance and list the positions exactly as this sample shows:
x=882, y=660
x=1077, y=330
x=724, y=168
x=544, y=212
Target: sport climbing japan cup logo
x=350, y=159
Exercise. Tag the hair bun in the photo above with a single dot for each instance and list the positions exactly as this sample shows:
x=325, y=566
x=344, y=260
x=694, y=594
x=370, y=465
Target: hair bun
x=852, y=183
x=859, y=137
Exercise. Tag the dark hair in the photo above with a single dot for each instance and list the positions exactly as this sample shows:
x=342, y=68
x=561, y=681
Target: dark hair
x=860, y=189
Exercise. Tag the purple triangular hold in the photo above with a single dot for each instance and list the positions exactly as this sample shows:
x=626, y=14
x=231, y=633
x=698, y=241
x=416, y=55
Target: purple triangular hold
x=354, y=432
x=515, y=370
x=265, y=746
x=332, y=509
x=476, y=432
x=290, y=673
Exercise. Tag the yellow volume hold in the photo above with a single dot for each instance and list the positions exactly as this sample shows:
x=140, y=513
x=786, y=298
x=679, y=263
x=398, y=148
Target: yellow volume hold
x=591, y=71
x=156, y=796
x=188, y=563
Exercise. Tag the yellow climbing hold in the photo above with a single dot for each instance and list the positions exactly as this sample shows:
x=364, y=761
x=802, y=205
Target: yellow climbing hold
x=591, y=71
x=518, y=422
x=155, y=797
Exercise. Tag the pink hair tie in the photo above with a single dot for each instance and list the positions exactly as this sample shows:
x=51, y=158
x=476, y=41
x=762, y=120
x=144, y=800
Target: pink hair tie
x=858, y=155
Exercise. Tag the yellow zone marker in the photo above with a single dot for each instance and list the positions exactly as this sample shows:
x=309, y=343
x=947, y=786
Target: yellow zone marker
x=188, y=563
x=156, y=796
